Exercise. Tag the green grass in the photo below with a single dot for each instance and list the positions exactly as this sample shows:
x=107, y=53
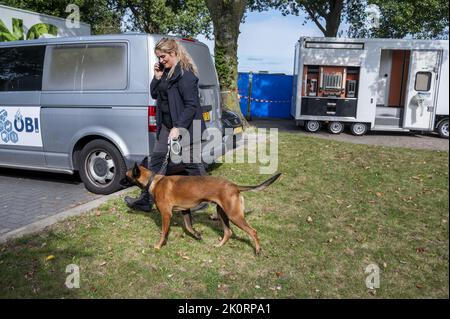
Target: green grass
x=365, y=205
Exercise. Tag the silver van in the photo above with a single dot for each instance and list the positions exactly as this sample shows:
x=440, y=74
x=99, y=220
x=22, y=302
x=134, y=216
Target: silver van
x=83, y=104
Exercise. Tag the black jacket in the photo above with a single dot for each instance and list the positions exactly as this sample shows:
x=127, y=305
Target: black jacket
x=184, y=103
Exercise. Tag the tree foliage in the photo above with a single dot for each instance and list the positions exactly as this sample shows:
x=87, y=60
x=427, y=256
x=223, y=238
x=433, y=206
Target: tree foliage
x=179, y=17
x=325, y=14
x=397, y=18
x=186, y=18
x=423, y=19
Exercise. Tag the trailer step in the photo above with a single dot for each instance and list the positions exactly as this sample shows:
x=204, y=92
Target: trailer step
x=388, y=121
x=390, y=111
x=389, y=128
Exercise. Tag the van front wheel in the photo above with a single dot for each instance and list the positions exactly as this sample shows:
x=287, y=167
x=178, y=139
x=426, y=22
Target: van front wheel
x=101, y=167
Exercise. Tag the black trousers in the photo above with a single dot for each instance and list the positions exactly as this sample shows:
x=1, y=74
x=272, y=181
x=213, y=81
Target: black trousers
x=192, y=167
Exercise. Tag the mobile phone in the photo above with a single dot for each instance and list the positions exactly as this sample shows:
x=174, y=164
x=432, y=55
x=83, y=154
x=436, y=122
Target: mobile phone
x=161, y=66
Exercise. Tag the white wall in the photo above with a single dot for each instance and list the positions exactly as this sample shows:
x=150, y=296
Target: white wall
x=384, y=82
x=335, y=57
x=368, y=84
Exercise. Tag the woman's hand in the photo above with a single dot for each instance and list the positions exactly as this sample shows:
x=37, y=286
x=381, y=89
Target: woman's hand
x=157, y=71
x=174, y=133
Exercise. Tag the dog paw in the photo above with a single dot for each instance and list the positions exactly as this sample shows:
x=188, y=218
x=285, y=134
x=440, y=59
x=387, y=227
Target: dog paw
x=157, y=247
x=219, y=244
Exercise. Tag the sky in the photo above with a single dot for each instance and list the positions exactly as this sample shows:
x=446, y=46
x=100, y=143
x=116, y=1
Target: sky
x=267, y=41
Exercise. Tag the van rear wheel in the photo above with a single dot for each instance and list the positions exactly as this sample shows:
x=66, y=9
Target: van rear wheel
x=101, y=167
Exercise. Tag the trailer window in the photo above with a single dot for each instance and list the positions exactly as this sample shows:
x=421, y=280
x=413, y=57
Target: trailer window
x=332, y=81
x=21, y=68
x=86, y=67
x=423, y=81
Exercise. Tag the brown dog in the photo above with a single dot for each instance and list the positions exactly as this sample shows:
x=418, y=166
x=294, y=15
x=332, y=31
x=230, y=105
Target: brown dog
x=180, y=193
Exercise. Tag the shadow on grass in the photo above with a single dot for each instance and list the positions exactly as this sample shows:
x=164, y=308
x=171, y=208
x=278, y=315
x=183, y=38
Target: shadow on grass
x=35, y=267
x=198, y=217
x=213, y=166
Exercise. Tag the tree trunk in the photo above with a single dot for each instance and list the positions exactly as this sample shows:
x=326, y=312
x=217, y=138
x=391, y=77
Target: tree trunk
x=333, y=19
x=226, y=16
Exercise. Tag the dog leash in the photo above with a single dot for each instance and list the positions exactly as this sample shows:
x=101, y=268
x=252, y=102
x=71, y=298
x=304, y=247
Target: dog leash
x=175, y=147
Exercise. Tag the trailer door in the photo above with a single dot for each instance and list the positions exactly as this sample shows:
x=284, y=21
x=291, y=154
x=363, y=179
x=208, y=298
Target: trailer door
x=421, y=90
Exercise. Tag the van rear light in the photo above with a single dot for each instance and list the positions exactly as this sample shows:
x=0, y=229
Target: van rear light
x=152, y=118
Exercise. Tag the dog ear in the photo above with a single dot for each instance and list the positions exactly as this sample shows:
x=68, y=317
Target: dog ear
x=136, y=170
x=145, y=162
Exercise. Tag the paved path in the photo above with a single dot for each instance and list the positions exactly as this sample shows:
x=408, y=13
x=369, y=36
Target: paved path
x=428, y=141
x=28, y=196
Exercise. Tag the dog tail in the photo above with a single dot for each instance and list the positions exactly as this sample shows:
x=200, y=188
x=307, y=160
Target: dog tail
x=261, y=186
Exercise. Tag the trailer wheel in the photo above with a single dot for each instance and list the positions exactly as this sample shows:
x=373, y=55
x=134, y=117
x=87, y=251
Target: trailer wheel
x=312, y=126
x=101, y=167
x=336, y=127
x=442, y=128
x=358, y=129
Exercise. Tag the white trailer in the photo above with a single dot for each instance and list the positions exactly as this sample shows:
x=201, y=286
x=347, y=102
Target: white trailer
x=376, y=84
x=18, y=24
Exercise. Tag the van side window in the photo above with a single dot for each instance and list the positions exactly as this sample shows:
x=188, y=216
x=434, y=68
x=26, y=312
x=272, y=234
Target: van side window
x=423, y=81
x=86, y=67
x=21, y=68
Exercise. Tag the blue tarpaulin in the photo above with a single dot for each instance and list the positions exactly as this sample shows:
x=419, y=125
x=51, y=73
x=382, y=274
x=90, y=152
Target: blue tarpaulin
x=271, y=95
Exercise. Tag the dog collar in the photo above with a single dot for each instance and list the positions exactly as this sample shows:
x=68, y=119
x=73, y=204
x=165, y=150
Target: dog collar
x=150, y=181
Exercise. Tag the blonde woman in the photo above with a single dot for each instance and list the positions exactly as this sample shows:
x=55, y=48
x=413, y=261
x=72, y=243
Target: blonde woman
x=175, y=88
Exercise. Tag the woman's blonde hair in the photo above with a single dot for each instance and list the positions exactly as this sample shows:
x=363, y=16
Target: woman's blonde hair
x=167, y=45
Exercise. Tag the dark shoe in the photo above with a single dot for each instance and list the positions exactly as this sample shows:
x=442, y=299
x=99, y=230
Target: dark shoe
x=201, y=206
x=144, y=202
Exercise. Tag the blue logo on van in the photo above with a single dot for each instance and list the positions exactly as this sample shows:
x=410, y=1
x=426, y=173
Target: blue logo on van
x=7, y=134
x=9, y=130
x=26, y=124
